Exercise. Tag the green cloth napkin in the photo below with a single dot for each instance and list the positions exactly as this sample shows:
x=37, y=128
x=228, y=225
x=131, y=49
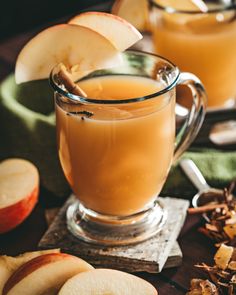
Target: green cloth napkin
x=27, y=130
x=218, y=168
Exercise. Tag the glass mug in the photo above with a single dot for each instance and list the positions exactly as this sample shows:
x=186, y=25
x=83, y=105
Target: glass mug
x=202, y=43
x=117, y=146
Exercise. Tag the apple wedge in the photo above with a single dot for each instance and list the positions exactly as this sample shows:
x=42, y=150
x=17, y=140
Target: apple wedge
x=8, y=264
x=66, y=43
x=44, y=274
x=19, y=188
x=117, y=30
x=134, y=11
x=106, y=281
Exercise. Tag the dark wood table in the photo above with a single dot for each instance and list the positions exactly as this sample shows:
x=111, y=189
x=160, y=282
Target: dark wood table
x=196, y=248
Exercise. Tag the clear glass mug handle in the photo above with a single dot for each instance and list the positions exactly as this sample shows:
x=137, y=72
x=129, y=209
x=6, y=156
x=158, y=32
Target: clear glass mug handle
x=196, y=115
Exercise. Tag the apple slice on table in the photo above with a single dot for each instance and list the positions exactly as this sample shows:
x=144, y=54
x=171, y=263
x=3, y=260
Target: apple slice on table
x=106, y=281
x=8, y=264
x=66, y=43
x=134, y=11
x=19, y=189
x=117, y=30
x=44, y=274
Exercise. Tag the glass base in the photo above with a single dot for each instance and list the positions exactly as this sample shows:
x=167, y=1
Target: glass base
x=100, y=229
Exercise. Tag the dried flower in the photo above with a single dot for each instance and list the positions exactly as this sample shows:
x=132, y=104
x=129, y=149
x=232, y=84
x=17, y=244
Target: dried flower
x=222, y=276
x=220, y=218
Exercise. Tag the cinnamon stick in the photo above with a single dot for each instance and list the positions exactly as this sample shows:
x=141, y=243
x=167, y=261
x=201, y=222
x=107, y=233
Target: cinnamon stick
x=69, y=84
x=206, y=208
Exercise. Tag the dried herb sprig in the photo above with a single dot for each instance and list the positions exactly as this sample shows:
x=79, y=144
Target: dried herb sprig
x=220, y=226
x=221, y=276
x=220, y=218
x=200, y=287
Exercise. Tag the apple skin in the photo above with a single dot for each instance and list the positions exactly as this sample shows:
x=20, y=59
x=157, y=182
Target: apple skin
x=15, y=214
x=30, y=267
x=27, y=272
x=106, y=24
x=9, y=264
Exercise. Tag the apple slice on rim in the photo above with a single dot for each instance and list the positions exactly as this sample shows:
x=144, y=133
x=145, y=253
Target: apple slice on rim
x=106, y=281
x=44, y=274
x=8, y=264
x=134, y=11
x=118, y=31
x=19, y=189
x=66, y=43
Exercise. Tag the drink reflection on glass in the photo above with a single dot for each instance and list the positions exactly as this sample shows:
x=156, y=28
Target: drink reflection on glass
x=116, y=146
x=203, y=43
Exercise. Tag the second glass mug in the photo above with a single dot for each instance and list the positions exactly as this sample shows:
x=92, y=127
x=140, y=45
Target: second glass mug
x=200, y=42
x=117, y=146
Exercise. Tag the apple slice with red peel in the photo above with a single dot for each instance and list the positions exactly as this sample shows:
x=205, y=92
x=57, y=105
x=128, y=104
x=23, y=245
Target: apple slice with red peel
x=19, y=188
x=117, y=30
x=8, y=264
x=66, y=43
x=134, y=11
x=106, y=281
x=44, y=274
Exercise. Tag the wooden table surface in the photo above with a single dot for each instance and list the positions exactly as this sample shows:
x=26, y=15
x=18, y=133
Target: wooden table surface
x=196, y=248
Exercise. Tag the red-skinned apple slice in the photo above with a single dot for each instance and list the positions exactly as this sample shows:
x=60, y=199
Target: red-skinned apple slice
x=106, y=281
x=8, y=264
x=66, y=43
x=117, y=30
x=19, y=188
x=134, y=11
x=44, y=274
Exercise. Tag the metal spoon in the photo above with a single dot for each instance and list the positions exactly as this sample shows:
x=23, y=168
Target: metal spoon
x=206, y=194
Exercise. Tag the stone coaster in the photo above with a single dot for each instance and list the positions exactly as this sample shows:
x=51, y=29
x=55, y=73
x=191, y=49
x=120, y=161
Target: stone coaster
x=149, y=256
x=175, y=257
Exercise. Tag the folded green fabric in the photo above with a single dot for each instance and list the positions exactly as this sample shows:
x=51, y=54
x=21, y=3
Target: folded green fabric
x=27, y=130
x=218, y=168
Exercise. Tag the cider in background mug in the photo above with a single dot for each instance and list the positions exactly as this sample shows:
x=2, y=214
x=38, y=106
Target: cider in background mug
x=202, y=43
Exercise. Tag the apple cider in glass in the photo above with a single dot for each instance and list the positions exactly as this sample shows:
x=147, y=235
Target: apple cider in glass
x=117, y=160
x=202, y=43
x=117, y=142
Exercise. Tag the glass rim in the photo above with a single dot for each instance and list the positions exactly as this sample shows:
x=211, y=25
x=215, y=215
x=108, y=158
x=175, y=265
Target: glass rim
x=80, y=99
x=169, y=9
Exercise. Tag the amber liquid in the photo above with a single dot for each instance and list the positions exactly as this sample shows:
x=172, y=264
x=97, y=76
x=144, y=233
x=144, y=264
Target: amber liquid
x=202, y=44
x=117, y=160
